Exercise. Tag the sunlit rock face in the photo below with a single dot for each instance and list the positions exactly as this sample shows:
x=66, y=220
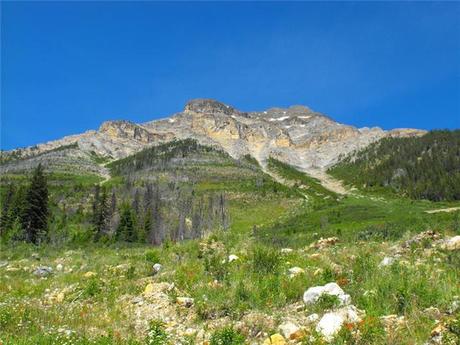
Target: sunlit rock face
x=296, y=135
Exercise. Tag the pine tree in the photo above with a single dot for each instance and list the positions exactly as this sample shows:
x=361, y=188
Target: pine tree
x=17, y=211
x=126, y=228
x=35, y=215
x=6, y=219
x=100, y=217
x=146, y=227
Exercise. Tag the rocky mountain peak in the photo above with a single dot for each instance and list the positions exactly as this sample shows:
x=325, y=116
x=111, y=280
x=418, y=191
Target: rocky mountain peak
x=209, y=106
x=295, y=135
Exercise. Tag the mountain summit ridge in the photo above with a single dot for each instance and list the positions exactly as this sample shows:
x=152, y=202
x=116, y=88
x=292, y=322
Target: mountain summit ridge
x=295, y=135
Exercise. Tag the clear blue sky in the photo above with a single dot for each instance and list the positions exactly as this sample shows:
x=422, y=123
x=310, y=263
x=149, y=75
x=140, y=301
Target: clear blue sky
x=68, y=66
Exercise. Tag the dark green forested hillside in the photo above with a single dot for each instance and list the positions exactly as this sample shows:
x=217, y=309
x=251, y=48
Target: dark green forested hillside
x=426, y=167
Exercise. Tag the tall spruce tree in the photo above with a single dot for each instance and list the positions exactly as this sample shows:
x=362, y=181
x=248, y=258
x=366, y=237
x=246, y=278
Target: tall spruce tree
x=6, y=219
x=100, y=211
x=35, y=215
x=126, y=229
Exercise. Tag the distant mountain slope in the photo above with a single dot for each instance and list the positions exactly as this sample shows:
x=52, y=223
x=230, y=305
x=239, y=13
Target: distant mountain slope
x=296, y=135
x=188, y=163
x=66, y=158
x=426, y=167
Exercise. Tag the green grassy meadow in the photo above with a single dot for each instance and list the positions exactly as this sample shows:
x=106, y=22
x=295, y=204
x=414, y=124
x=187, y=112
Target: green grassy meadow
x=101, y=293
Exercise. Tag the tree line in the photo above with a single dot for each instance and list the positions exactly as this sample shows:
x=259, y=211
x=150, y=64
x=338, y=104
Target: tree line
x=426, y=167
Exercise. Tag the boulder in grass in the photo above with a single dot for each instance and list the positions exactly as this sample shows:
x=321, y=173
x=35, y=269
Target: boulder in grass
x=313, y=294
x=387, y=261
x=157, y=268
x=232, y=257
x=290, y=330
x=43, y=271
x=331, y=323
x=295, y=271
x=451, y=244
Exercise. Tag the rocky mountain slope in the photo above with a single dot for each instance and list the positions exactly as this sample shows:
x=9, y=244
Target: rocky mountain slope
x=296, y=135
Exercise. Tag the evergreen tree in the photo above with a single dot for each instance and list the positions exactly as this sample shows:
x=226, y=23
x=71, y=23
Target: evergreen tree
x=6, y=219
x=146, y=227
x=126, y=229
x=35, y=215
x=17, y=211
x=100, y=217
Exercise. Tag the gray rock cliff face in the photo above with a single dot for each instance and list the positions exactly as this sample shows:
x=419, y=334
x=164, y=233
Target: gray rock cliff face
x=296, y=135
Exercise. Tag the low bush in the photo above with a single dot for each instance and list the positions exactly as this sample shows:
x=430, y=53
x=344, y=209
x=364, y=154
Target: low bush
x=152, y=256
x=156, y=334
x=227, y=336
x=265, y=260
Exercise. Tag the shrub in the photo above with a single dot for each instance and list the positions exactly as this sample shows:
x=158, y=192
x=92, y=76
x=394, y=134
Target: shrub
x=80, y=234
x=131, y=272
x=380, y=232
x=327, y=302
x=157, y=334
x=227, y=336
x=371, y=330
x=92, y=288
x=152, y=256
x=265, y=260
x=216, y=266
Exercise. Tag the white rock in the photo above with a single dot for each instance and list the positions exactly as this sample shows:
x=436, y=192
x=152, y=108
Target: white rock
x=452, y=243
x=232, y=257
x=288, y=329
x=59, y=267
x=295, y=271
x=157, y=268
x=331, y=323
x=387, y=261
x=43, y=271
x=314, y=293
